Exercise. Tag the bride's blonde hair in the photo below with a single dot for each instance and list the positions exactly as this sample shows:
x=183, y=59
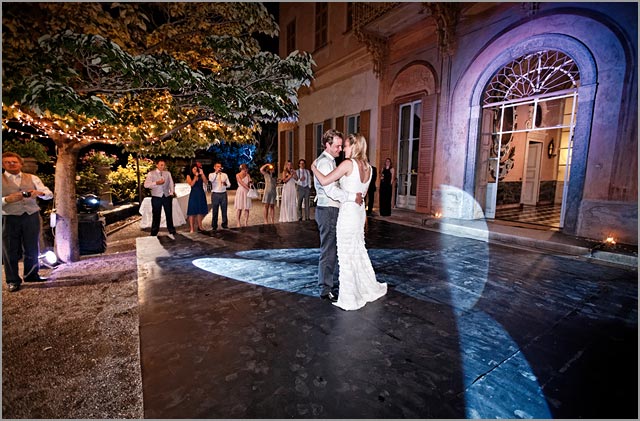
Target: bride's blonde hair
x=358, y=147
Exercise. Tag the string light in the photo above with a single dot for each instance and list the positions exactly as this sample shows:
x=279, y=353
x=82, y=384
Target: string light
x=113, y=134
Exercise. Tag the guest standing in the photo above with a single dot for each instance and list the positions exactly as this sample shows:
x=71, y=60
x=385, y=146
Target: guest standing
x=219, y=185
x=288, y=212
x=387, y=180
x=371, y=193
x=20, y=221
x=269, y=196
x=302, y=177
x=197, y=207
x=162, y=189
x=243, y=203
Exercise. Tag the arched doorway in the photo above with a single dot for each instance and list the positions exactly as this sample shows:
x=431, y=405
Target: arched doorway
x=408, y=126
x=529, y=110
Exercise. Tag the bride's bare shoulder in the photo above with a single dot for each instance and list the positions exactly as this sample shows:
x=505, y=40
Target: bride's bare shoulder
x=364, y=170
x=347, y=165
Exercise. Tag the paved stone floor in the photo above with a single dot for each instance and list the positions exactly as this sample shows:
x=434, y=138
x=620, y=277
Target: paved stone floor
x=231, y=327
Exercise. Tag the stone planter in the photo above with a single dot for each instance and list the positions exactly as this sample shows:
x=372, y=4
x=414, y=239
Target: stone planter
x=106, y=200
x=103, y=171
x=30, y=165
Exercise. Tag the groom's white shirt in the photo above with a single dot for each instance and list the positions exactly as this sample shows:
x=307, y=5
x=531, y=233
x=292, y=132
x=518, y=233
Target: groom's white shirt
x=331, y=194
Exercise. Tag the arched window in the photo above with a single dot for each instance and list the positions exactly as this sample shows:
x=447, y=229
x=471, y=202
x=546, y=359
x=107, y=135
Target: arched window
x=531, y=75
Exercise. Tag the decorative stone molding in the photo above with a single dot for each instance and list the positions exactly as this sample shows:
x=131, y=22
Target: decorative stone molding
x=377, y=46
x=446, y=16
x=414, y=78
x=530, y=8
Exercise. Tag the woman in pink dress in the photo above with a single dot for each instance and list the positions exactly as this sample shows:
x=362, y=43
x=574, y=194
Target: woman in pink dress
x=242, y=202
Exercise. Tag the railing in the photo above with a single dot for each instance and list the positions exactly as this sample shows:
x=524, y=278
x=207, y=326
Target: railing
x=365, y=13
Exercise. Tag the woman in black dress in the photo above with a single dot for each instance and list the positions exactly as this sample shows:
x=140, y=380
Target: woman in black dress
x=387, y=179
x=197, y=208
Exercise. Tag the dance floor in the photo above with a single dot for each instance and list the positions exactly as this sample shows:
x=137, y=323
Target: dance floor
x=231, y=327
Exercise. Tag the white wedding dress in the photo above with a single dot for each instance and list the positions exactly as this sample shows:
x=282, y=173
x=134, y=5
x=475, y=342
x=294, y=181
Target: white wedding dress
x=289, y=206
x=358, y=284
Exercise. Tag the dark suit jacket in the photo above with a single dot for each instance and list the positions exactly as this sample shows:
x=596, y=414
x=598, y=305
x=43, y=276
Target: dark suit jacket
x=374, y=176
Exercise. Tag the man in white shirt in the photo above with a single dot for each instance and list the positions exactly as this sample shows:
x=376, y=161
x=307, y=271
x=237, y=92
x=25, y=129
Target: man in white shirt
x=162, y=188
x=219, y=185
x=302, y=178
x=328, y=199
x=20, y=221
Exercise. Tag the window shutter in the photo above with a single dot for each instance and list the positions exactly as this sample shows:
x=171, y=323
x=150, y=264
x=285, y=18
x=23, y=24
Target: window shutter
x=426, y=154
x=326, y=125
x=309, y=145
x=296, y=146
x=340, y=124
x=387, y=138
x=365, y=122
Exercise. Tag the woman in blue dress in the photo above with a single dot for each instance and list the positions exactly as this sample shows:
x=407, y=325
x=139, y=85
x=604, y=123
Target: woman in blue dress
x=197, y=208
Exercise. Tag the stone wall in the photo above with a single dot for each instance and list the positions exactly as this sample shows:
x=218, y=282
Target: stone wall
x=600, y=219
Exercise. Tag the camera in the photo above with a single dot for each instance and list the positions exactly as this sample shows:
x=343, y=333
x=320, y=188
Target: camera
x=26, y=194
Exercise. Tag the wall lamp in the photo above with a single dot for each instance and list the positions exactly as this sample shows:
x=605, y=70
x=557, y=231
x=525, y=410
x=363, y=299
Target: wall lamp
x=551, y=149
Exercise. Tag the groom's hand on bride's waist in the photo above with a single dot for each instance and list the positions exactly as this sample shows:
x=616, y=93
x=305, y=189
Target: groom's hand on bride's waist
x=359, y=198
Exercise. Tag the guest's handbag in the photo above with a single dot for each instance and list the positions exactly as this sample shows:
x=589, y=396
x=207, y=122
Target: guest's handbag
x=252, y=193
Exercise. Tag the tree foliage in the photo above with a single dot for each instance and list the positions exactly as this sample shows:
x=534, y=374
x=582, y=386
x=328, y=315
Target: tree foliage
x=160, y=79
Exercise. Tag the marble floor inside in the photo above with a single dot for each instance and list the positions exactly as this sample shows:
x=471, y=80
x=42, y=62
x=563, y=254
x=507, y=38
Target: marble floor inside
x=545, y=215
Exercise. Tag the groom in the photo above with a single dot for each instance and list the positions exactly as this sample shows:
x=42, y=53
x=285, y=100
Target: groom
x=328, y=200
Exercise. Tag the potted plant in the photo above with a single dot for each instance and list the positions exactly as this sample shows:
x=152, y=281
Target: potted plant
x=98, y=159
x=32, y=153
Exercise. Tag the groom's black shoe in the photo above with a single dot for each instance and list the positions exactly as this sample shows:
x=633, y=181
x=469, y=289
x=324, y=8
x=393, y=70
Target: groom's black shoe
x=330, y=296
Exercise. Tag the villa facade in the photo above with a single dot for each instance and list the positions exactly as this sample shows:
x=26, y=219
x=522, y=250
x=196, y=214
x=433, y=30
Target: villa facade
x=487, y=110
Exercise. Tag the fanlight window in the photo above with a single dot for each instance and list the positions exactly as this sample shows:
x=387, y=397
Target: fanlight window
x=533, y=74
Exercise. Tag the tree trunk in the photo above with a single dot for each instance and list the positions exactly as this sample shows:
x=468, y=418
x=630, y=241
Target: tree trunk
x=66, y=232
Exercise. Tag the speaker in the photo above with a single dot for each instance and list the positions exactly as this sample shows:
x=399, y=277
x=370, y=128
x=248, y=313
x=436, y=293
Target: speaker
x=92, y=237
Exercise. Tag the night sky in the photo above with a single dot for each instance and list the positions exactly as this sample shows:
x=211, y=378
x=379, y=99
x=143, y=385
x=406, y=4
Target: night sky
x=268, y=43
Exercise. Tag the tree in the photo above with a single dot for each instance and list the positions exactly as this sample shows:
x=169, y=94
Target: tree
x=160, y=79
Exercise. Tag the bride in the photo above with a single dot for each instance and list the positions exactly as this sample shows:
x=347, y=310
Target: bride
x=358, y=284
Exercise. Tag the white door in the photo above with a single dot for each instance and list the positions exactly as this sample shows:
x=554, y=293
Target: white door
x=408, y=146
x=501, y=129
x=531, y=176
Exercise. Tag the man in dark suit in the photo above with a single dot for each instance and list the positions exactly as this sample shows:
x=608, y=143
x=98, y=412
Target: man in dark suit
x=372, y=191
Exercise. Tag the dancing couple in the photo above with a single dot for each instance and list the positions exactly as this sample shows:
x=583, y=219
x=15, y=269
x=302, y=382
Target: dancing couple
x=341, y=217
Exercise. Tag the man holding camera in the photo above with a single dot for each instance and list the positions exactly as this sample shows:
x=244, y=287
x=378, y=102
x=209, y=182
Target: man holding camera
x=20, y=221
x=219, y=185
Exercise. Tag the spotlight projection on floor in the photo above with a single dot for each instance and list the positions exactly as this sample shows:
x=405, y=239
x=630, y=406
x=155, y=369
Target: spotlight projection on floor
x=295, y=271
